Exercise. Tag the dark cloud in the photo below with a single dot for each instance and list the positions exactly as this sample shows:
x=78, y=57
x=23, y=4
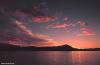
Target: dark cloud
x=27, y=6
x=5, y=3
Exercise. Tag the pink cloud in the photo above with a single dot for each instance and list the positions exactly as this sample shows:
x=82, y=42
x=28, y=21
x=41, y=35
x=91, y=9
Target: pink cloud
x=84, y=28
x=43, y=19
x=86, y=33
x=20, y=14
x=81, y=23
x=29, y=31
x=58, y=25
x=66, y=18
x=24, y=28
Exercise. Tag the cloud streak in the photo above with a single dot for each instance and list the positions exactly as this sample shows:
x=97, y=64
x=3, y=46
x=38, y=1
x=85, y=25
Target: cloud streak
x=24, y=28
x=58, y=25
x=35, y=39
x=43, y=19
x=86, y=33
x=82, y=24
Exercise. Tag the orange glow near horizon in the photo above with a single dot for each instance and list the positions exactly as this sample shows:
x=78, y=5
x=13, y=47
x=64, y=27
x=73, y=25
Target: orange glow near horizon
x=83, y=43
x=78, y=42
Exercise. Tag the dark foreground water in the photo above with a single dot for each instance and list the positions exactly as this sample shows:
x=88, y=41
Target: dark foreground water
x=50, y=58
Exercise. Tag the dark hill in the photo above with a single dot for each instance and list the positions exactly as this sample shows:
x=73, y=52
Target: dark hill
x=6, y=47
x=9, y=47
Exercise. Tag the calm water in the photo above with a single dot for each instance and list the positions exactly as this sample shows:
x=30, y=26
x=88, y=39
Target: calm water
x=51, y=57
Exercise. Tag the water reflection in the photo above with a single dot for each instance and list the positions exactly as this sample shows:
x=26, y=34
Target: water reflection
x=76, y=58
x=69, y=58
x=54, y=57
x=86, y=58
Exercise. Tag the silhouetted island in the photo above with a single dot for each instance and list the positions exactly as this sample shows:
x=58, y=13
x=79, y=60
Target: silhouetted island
x=9, y=47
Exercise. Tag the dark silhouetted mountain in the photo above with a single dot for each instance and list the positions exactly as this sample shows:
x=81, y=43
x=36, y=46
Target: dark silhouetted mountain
x=9, y=47
x=5, y=46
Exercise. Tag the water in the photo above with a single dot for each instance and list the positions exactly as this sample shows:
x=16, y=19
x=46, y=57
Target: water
x=51, y=57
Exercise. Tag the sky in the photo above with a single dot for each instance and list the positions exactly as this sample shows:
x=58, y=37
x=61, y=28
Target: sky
x=50, y=23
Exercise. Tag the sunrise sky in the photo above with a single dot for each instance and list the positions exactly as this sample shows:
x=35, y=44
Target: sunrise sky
x=50, y=22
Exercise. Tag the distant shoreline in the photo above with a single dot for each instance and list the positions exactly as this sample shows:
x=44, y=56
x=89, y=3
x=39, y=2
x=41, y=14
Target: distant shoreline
x=9, y=47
